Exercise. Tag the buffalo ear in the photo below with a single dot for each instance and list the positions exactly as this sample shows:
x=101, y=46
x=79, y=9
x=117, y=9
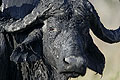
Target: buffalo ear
x=27, y=53
x=96, y=60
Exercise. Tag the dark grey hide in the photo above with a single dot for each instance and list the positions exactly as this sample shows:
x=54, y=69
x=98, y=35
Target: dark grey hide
x=50, y=40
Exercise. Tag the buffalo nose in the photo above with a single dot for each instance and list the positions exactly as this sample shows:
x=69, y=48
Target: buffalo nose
x=76, y=64
x=75, y=61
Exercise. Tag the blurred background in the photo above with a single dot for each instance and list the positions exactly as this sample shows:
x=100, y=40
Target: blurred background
x=109, y=12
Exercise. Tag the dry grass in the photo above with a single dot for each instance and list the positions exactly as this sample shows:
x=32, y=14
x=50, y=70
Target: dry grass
x=109, y=12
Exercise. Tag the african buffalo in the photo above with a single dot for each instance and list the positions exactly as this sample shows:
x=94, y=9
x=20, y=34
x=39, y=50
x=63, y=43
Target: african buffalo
x=50, y=40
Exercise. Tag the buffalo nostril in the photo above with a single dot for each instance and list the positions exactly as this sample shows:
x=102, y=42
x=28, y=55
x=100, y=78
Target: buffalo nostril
x=70, y=60
x=66, y=61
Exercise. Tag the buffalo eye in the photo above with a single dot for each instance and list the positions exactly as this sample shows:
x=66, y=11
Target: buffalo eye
x=52, y=29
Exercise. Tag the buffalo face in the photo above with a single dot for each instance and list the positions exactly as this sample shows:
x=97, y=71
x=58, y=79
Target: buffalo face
x=63, y=49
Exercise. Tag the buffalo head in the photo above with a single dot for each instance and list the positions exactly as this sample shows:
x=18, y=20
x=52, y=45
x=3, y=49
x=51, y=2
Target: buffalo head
x=67, y=45
x=63, y=47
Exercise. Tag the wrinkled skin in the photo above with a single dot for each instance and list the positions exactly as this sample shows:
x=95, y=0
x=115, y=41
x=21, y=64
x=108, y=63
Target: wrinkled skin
x=63, y=36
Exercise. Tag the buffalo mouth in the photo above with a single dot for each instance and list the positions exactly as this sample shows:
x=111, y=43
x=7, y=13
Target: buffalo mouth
x=73, y=74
